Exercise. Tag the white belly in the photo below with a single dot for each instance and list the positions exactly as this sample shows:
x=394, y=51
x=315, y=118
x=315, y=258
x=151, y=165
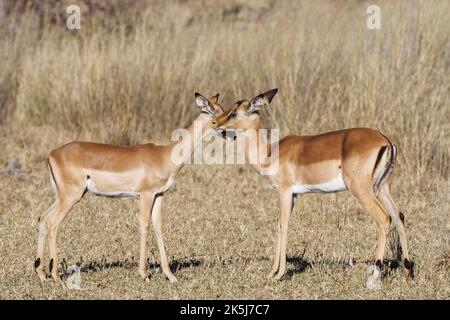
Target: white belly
x=114, y=194
x=334, y=185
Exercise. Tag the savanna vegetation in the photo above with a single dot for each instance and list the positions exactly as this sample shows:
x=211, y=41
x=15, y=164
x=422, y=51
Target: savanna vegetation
x=129, y=76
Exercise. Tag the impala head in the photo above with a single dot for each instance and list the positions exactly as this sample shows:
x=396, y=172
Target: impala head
x=244, y=113
x=209, y=106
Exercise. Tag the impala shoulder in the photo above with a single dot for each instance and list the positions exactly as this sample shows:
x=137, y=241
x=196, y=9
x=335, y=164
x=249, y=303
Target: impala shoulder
x=74, y=145
x=150, y=145
x=291, y=139
x=291, y=146
x=153, y=148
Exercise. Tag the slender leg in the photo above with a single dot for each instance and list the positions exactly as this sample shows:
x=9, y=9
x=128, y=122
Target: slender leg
x=398, y=220
x=383, y=222
x=365, y=195
x=368, y=200
x=157, y=227
x=39, y=262
x=286, y=199
x=146, y=203
x=276, y=258
x=53, y=222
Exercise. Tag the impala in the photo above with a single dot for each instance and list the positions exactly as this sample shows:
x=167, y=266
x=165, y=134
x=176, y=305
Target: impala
x=359, y=160
x=146, y=171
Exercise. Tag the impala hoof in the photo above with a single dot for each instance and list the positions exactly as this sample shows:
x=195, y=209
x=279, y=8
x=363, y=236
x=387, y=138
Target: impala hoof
x=57, y=278
x=42, y=276
x=271, y=274
x=279, y=277
x=144, y=275
x=408, y=269
x=38, y=268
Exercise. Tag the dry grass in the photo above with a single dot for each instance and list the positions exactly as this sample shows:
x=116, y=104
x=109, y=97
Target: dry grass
x=130, y=77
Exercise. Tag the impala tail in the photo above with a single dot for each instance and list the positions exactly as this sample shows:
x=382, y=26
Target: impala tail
x=52, y=177
x=389, y=152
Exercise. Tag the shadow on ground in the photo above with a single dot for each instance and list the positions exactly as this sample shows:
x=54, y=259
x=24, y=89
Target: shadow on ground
x=130, y=264
x=301, y=265
x=299, y=262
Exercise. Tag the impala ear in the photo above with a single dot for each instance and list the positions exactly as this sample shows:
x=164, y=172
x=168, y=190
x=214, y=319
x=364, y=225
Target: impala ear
x=201, y=101
x=214, y=99
x=205, y=104
x=261, y=100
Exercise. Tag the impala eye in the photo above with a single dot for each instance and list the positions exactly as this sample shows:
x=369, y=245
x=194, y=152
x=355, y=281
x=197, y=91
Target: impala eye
x=232, y=114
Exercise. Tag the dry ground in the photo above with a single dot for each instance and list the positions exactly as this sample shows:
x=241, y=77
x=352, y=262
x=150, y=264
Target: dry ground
x=220, y=233
x=129, y=77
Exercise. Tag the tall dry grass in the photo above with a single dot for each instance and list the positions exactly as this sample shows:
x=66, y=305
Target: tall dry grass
x=128, y=78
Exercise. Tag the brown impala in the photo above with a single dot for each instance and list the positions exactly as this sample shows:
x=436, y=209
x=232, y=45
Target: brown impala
x=145, y=171
x=359, y=160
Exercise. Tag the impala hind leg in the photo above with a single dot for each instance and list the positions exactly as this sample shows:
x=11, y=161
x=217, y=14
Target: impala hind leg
x=366, y=197
x=42, y=238
x=157, y=227
x=399, y=224
x=53, y=222
x=146, y=203
x=369, y=201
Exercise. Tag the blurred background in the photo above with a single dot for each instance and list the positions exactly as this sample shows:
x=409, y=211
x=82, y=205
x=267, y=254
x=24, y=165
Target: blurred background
x=130, y=72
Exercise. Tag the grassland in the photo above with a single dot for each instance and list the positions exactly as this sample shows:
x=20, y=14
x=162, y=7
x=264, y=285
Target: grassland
x=128, y=76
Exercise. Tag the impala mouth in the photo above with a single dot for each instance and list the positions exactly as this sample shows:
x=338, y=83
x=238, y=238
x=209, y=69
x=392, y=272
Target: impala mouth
x=226, y=134
x=229, y=134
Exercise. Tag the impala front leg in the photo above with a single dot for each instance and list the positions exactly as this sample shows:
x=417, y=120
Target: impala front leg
x=286, y=199
x=276, y=258
x=157, y=227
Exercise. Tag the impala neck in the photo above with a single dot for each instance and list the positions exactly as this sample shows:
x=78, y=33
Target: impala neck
x=189, y=143
x=256, y=150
